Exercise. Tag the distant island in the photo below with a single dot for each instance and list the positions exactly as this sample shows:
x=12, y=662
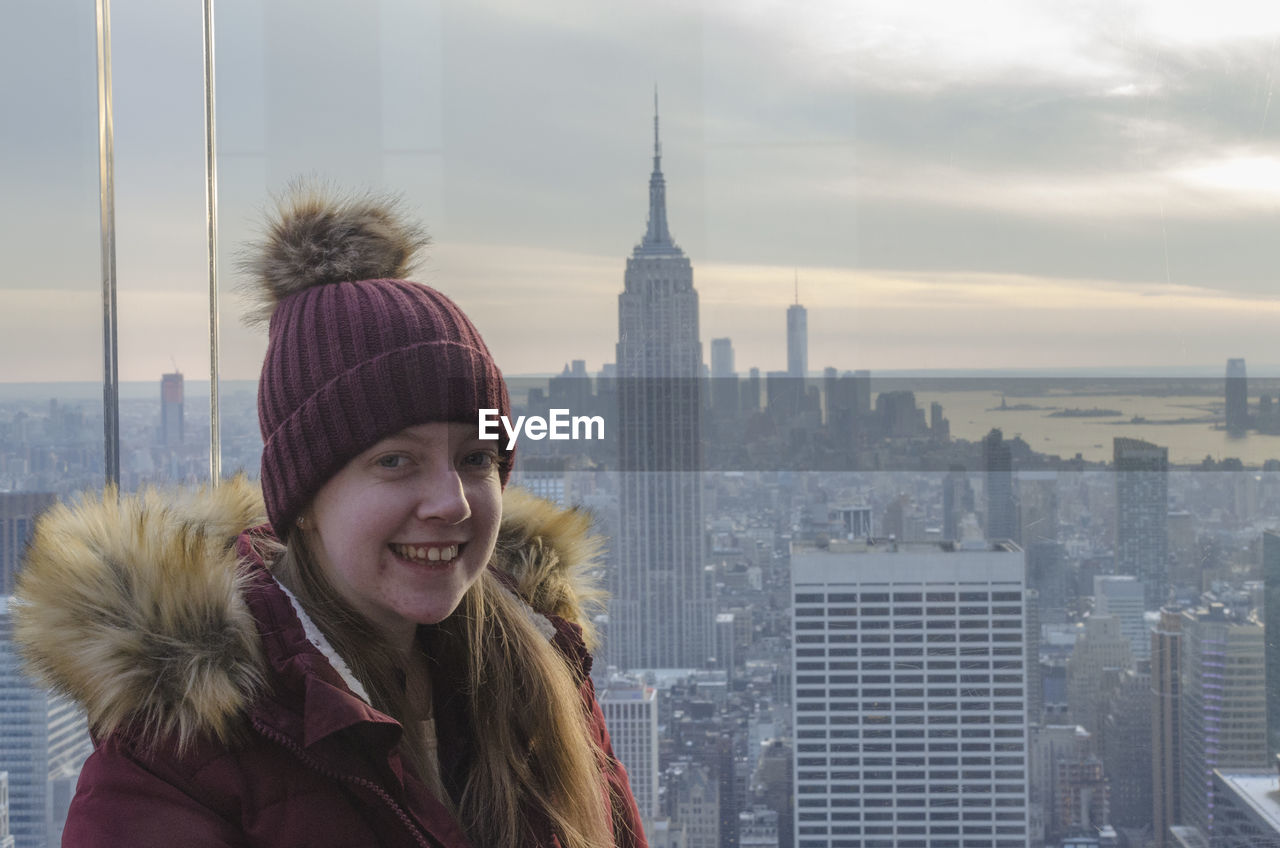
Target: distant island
x=1095, y=412
x=1017, y=407
x=1138, y=419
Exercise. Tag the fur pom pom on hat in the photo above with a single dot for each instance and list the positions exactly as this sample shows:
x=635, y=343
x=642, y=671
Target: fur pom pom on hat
x=317, y=236
x=354, y=354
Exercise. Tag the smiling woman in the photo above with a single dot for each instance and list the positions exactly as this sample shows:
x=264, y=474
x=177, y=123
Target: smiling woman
x=362, y=669
x=405, y=528
x=1045, y=187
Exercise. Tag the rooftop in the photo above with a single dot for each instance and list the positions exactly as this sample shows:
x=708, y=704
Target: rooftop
x=891, y=545
x=1259, y=788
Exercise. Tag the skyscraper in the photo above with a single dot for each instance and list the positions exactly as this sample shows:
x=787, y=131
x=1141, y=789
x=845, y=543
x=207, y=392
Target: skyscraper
x=1224, y=716
x=842, y=405
x=797, y=339
x=1142, y=515
x=1237, y=398
x=724, y=381
x=18, y=511
x=1054, y=753
x=1166, y=735
x=171, y=426
x=861, y=392
x=749, y=397
x=1047, y=573
x=784, y=395
x=6, y=838
x=1125, y=744
x=758, y=828
x=44, y=741
x=1101, y=645
x=1121, y=596
x=694, y=802
x=662, y=614
x=1271, y=623
x=1084, y=796
x=1037, y=507
x=910, y=698
x=1248, y=809
x=722, y=358
x=997, y=462
x=957, y=502
x=631, y=713
x=1034, y=675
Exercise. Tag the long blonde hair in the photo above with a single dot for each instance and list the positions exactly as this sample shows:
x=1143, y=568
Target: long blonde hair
x=524, y=711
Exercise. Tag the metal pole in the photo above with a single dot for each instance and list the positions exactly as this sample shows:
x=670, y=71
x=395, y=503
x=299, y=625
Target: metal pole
x=107, y=218
x=211, y=215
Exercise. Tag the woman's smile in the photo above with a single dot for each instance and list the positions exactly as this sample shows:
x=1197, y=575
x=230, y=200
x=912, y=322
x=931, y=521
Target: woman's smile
x=427, y=552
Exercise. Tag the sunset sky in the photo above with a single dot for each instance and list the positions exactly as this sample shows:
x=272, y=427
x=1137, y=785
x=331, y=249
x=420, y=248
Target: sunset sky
x=1030, y=185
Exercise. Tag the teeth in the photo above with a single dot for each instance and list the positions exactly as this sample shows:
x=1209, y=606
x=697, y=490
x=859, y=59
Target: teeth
x=426, y=553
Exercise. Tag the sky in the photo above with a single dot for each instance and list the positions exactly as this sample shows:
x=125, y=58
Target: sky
x=991, y=185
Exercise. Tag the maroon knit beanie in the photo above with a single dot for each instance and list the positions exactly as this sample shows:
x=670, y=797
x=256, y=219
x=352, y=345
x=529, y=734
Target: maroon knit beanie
x=355, y=354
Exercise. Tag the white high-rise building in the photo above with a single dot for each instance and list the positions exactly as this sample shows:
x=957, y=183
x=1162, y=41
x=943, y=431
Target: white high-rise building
x=662, y=613
x=631, y=714
x=910, y=701
x=1121, y=596
x=44, y=740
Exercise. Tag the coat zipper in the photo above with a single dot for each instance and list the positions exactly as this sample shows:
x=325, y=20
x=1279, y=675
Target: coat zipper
x=368, y=785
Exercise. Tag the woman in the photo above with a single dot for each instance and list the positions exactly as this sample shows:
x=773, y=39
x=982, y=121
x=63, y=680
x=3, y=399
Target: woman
x=391, y=661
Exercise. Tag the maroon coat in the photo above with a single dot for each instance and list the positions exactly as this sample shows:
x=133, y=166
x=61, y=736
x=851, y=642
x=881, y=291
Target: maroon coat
x=312, y=763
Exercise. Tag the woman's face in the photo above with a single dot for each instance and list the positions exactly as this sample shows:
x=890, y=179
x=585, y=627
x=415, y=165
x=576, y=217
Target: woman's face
x=406, y=527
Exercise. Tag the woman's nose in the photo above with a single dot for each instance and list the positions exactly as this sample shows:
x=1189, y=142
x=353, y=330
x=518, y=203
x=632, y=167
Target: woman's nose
x=443, y=498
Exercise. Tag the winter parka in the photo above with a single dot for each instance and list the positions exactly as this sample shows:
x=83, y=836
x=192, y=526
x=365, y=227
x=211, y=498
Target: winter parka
x=221, y=716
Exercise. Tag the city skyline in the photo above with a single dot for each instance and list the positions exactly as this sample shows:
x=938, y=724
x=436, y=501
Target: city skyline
x=759, y=525
x=958, y=188
x=978, y=187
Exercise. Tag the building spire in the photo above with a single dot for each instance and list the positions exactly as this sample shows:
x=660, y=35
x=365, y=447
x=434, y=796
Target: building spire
x=657, y=235
x=657, y=145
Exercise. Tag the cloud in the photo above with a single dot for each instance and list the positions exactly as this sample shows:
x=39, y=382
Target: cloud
x=937, y=46
x=1232, y=186
x=882, y=319
x=1254, y=180
x=1113, y=154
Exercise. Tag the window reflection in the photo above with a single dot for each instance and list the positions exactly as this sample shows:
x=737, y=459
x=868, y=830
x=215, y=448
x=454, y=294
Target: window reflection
x=502, y=128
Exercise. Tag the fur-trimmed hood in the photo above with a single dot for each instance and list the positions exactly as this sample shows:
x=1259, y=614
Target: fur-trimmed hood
x=133, y=606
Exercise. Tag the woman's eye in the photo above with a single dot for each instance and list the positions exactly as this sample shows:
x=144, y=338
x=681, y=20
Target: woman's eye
x=481, y=459
x=392, y=460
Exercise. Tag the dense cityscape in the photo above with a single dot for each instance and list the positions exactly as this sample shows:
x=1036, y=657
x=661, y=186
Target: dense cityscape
x=832, y=622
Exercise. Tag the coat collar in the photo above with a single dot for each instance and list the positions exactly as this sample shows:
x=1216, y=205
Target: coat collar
x=144, y=610
x=311, y=693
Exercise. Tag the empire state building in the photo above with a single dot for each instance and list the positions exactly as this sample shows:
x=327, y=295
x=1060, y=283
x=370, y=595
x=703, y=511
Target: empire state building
x=662, y=613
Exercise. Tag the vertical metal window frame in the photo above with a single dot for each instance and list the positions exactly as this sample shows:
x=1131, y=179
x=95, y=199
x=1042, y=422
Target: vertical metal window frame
x=107, y=239
x=211, y=222
x=107, y=221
